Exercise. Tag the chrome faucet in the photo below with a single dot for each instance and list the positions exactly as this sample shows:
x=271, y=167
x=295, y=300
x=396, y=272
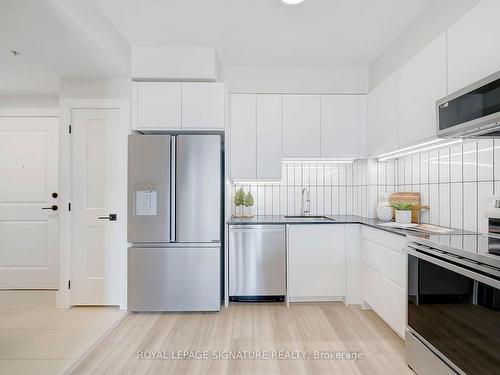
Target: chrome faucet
x=306, y=202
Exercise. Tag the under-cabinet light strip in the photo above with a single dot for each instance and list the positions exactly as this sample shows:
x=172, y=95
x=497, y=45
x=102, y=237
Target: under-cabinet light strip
x=253, y=182
x=317, y=160
x=400, y=153
x=419, y=145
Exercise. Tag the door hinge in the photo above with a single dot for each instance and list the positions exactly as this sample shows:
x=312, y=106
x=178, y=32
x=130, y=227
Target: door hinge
x=69, y=284
x=69, y=206
x=69, y=128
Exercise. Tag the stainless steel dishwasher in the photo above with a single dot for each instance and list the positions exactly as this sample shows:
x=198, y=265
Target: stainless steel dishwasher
x=257, y=263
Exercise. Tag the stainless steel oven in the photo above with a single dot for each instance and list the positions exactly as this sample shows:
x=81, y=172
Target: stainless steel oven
x=453, y=312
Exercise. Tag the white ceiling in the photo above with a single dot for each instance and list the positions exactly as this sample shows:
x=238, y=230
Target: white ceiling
x=267, y=32
x=52, y=47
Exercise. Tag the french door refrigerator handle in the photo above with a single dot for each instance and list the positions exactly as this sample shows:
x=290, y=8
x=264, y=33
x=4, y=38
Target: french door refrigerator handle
x=173, y=172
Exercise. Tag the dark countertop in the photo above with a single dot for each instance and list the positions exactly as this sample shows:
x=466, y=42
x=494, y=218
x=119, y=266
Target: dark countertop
x=338, y=219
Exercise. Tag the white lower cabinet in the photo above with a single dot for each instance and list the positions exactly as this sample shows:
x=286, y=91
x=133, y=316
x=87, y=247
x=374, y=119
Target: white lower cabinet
x=316, y=262
x=384, y=276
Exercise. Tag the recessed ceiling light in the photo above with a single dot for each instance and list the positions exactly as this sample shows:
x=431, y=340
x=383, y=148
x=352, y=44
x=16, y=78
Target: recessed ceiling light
x=292, y=2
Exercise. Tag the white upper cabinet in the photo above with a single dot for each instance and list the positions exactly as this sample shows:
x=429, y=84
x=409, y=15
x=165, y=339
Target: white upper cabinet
x=474, y=45
x=269, y=137
x=203, y=105
x=421, y=81
x=301, y=126
x=340, y=126
x=157, y=105
x=382, y=128
x=256, y=138
x=243, y=137
x=176, y=105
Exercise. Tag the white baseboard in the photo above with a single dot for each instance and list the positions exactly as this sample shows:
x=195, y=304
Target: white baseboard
x=316, y=299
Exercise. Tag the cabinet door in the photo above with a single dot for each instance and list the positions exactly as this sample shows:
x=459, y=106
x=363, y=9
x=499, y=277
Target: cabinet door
x=301, y=126
x=269, y=137
x=421, y=81
x=473, y=45
x=203, y=105
x=316, y=262
x=243, y=137
x=382, y=117
x=157, y=105
x=340, y=130
x=385, y=298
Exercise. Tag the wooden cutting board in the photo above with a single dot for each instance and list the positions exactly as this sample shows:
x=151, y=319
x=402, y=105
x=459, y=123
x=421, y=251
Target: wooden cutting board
x=414, y=198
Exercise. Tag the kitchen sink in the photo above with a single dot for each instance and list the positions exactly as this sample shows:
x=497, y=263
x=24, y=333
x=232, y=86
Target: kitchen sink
x=308, y=218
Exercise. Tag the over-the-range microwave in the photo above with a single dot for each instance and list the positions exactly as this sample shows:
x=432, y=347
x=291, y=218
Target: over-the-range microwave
x=472, y=112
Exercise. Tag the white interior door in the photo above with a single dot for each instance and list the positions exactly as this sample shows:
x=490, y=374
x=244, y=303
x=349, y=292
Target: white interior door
x=29, y=245
x=98, y=189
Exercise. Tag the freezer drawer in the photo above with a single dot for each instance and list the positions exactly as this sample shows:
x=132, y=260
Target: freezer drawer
x=174, y=279
x=257, y=260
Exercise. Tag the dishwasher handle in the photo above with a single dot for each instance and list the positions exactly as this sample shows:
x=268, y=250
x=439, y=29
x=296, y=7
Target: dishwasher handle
x=261, y=228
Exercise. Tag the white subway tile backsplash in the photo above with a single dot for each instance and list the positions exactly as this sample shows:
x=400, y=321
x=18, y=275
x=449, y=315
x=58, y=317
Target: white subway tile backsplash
x=328, y=175
x=470, y=161
x=456, y=164
x=470, y=206
x=496, y=159
x=485, y=160
x=433, y=167
x=484, y=194
x=456, y=205
x=342, y=200
x=455, y=182
x=320, y=175
x=381, y=173
x=391, y=172
x=444, y=205
x=424, y=167
x=372, y=173
x=434, y=204
x=444, y=165
x=415, y=169
x=408, y=170
x=342, y=175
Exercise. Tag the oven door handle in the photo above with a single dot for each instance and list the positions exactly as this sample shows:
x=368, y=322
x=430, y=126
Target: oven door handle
x=451, y=267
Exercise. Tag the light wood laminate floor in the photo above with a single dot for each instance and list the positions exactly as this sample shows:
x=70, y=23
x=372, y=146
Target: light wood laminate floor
x=307, y=327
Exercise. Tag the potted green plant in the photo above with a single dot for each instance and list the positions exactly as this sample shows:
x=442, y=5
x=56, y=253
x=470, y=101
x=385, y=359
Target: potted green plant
x=239, y=201
x=403, y=211
x=249, y=202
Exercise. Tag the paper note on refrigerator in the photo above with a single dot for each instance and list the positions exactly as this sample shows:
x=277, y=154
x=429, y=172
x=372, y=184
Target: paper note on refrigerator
x=145, y=203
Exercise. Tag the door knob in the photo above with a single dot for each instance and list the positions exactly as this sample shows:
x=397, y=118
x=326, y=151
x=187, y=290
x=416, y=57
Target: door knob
x=53, y=208
x=110, y=217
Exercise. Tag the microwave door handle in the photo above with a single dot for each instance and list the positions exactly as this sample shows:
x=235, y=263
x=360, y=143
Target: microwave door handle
x=451, y=267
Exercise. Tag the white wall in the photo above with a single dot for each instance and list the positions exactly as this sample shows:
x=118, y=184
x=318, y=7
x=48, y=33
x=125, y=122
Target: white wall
x=433, y=21
x=115, y=88
x=308, y=80
x=29, y=101
x=175, y=63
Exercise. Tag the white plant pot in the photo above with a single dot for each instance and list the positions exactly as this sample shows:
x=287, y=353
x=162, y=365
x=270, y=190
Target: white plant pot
x=403, y=217
x=384, y=211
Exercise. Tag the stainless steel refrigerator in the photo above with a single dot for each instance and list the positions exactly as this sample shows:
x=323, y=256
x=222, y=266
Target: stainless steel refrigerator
x=174, y=222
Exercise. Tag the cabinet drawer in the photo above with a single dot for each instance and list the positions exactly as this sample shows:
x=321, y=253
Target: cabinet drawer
x=388, y=262
x=386, y=239
x=385, y=298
